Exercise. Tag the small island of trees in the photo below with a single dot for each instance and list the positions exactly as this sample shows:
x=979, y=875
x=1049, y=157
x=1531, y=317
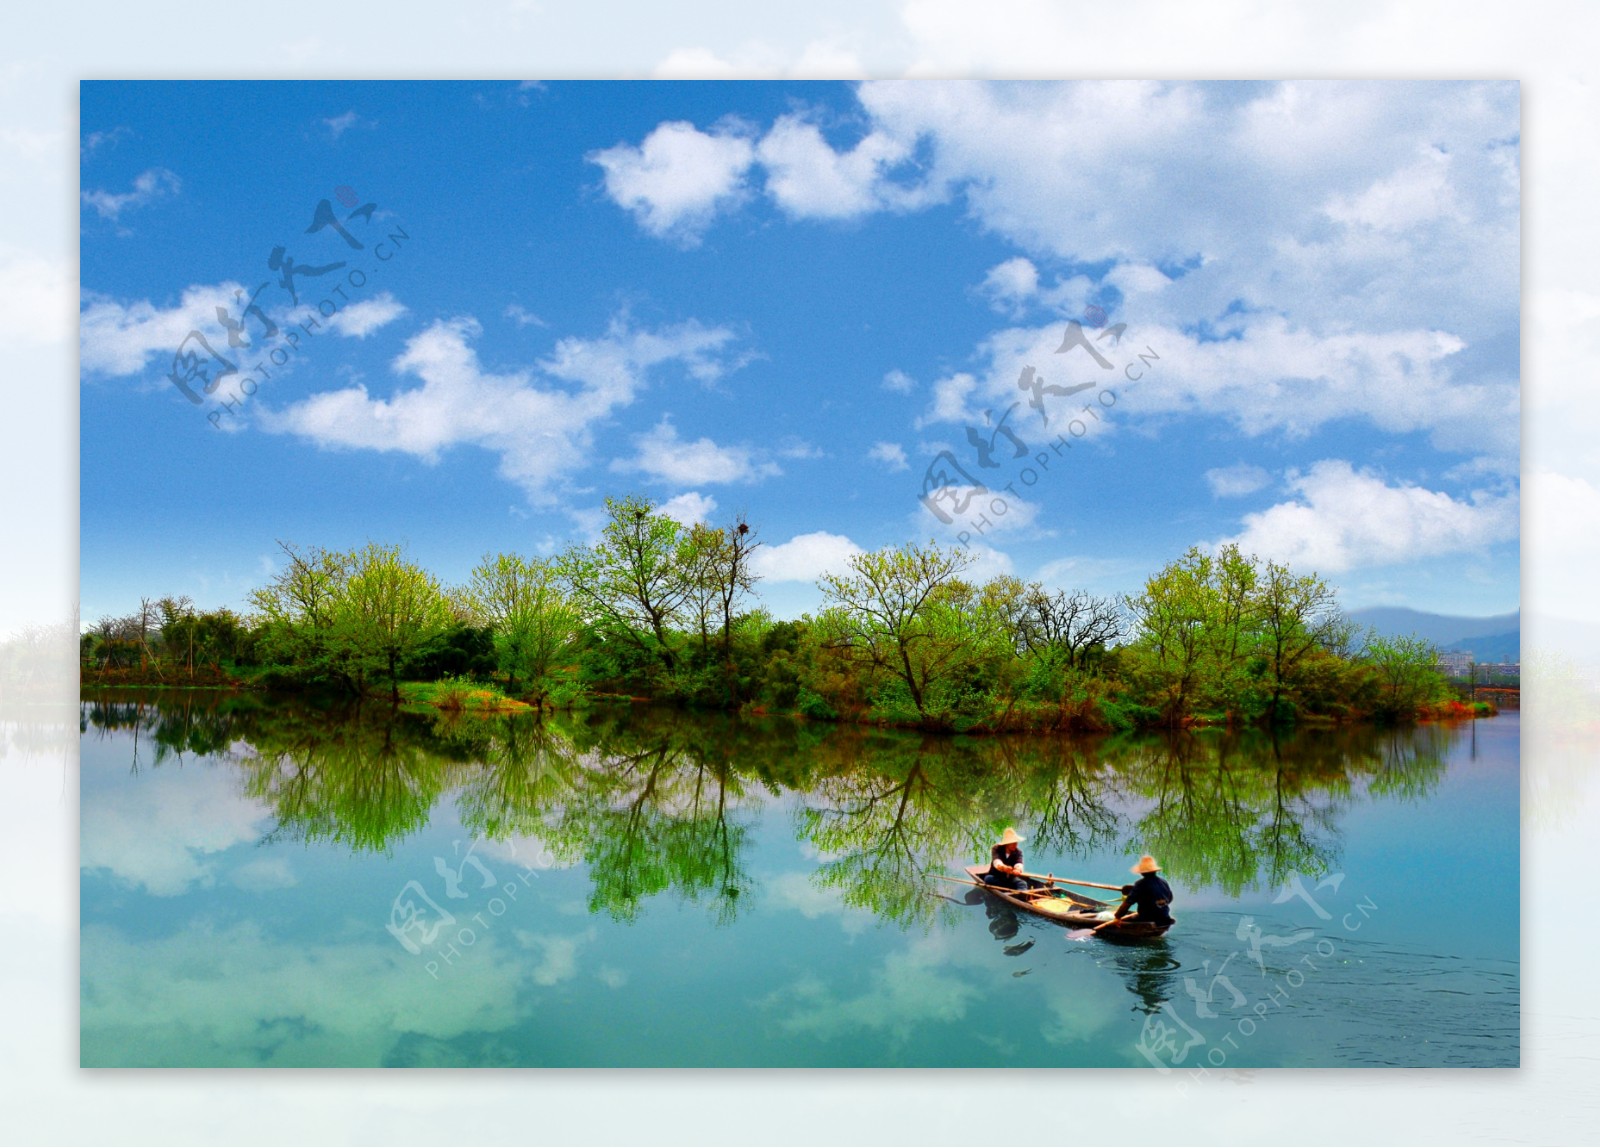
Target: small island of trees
x=659, y=611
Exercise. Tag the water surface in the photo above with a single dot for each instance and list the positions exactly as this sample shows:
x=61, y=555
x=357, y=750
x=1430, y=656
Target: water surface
x=265, y=883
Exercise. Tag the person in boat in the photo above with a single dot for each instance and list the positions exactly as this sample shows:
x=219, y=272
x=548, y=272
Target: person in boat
x=1148, y=899
x=1005, y=863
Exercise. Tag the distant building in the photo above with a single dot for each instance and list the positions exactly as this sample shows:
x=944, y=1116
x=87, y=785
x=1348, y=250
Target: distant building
x=1459, y=663
x=1499, y=671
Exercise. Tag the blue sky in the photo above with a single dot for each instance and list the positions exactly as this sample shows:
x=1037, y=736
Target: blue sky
x=789, y=299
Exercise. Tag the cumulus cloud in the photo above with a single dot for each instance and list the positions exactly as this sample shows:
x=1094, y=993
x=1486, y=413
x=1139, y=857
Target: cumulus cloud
x=233, y=994
x=890, y=454
x=558, y=955
x=663, y=456
x=804, y=558
x=166, y=834
x=987, y=562
x=1344, y=519
x=807, y=179
x=538, y=419
x=119, y=339
x=1215, y=201
x=688, y=508
x=678, y=178
x=1009, y=284
x=116, y=338
x=1234, y=481
x=985, y=512
x=949, y=403
x=148, y=186
x=899, y=382
x=1268, y=375
x=358, y=320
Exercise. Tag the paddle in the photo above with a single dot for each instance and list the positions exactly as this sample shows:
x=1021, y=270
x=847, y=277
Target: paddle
x=993, y=888
x=1069, y=881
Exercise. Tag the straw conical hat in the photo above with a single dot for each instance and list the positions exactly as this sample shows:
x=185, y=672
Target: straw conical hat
x=1147, y=864
x=1009, y=837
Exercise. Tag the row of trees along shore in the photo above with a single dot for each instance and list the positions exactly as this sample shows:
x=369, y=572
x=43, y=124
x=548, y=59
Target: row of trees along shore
x=659, y=610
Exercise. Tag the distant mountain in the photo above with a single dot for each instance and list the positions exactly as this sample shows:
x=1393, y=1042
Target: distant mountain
x=1491, y=647
x=1444, y=630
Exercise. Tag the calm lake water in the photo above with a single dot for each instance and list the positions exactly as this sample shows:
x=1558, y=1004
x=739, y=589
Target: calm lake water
x=269, y=884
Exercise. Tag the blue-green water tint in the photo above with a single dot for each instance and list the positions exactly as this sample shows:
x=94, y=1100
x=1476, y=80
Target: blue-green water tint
x=660, y=889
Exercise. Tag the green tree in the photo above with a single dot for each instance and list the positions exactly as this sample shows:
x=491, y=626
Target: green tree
x=298, y=609
x=1407, y=673
x=1297, y=615
x=1175, y=618
x=534, y=622
x=389, y=608
x=637, y=580
x=903, y=611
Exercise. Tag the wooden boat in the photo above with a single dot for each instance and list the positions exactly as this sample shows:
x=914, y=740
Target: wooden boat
x=1066, y=907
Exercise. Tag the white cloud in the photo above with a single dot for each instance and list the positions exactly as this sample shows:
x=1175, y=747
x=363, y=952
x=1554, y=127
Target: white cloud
x=678, y=178
x=560, y=955
x=1253, y=191
x=231, y=994
x=688, y=508
x=148, y=187
x=899, y=382
x=358, y=320
x=264, y=874
x=338, y=125
x=1234, y=481
x=1345, y=519
x=665, y=457
x=798, y=892
x=1410, y=196
x=538, y=420
x=1010, y=284
x=1268, y=375
x=118, y=339
x=891, y=454
x=164, y=834
x=797, y=448
x=986, y=511
x=94, y=141
x=949, y=404
x=804, y=558
x=523, y=317
x=987, y=562
x=809, y=180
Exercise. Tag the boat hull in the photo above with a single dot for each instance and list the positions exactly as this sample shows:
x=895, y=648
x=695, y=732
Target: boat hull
x=1071, y=909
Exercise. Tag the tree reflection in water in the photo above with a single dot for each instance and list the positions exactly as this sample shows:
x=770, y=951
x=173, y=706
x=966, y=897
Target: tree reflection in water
x=656, y=803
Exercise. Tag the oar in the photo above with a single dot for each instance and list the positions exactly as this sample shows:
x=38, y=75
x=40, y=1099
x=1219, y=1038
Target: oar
x=982, y=885
x=1070, y=881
